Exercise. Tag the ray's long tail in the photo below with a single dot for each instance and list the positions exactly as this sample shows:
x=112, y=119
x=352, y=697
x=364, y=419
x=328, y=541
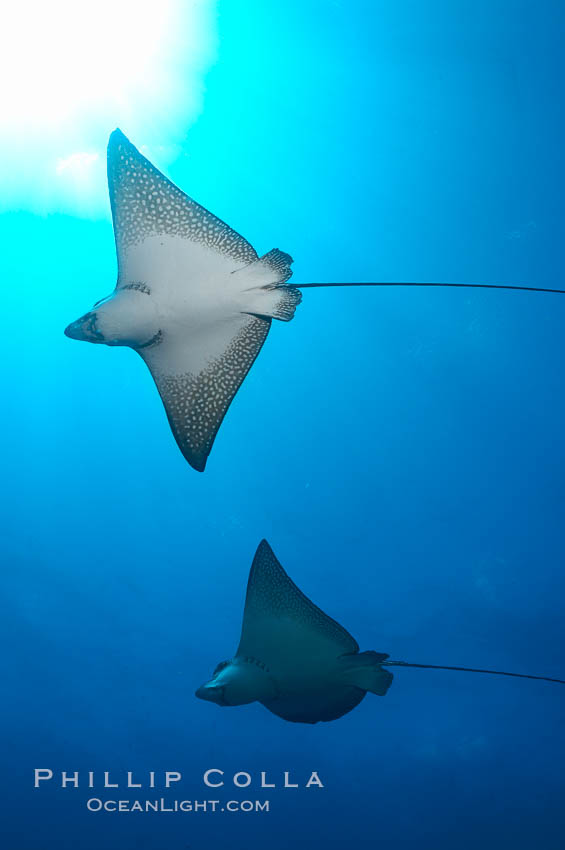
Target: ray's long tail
x=471, y=670
x=452, y=285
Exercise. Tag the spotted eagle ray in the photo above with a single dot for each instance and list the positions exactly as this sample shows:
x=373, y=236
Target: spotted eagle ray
x=296, y=660
x=193, y=298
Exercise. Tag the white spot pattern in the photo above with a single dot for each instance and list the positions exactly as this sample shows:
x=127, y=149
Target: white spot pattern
x=197, y=404
x=145, y=203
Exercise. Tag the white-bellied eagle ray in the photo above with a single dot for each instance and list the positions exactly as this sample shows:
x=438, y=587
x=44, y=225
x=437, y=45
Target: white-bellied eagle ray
x=296, y=660
x=193, y=298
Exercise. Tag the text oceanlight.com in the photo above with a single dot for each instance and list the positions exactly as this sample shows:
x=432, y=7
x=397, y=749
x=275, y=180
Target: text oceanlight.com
x=187, y=806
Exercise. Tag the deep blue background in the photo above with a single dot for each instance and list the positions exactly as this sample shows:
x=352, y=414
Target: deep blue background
x=402, y=450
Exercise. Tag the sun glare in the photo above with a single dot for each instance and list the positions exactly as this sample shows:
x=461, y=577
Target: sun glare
x=62, y=56
x=73, y=70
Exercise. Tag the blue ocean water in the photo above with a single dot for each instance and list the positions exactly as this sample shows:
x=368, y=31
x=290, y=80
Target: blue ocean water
x=401, y=450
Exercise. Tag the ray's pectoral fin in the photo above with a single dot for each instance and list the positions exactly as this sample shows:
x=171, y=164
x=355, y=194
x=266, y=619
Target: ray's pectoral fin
x=364, y=671
x=281, y=624
x=198, y=377
x=145, y=203
x=266, y=292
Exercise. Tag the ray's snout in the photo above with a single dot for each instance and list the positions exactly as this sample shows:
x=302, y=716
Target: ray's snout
x=84, y=329
x=74, y=330
x=211, y=693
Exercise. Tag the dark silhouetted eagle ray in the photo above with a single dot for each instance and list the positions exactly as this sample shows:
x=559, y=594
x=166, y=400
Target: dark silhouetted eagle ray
x=297, y=661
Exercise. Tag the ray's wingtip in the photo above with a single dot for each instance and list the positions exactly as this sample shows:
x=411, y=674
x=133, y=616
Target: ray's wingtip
x=195, y=460
x=116, y=136
x=264, y=546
